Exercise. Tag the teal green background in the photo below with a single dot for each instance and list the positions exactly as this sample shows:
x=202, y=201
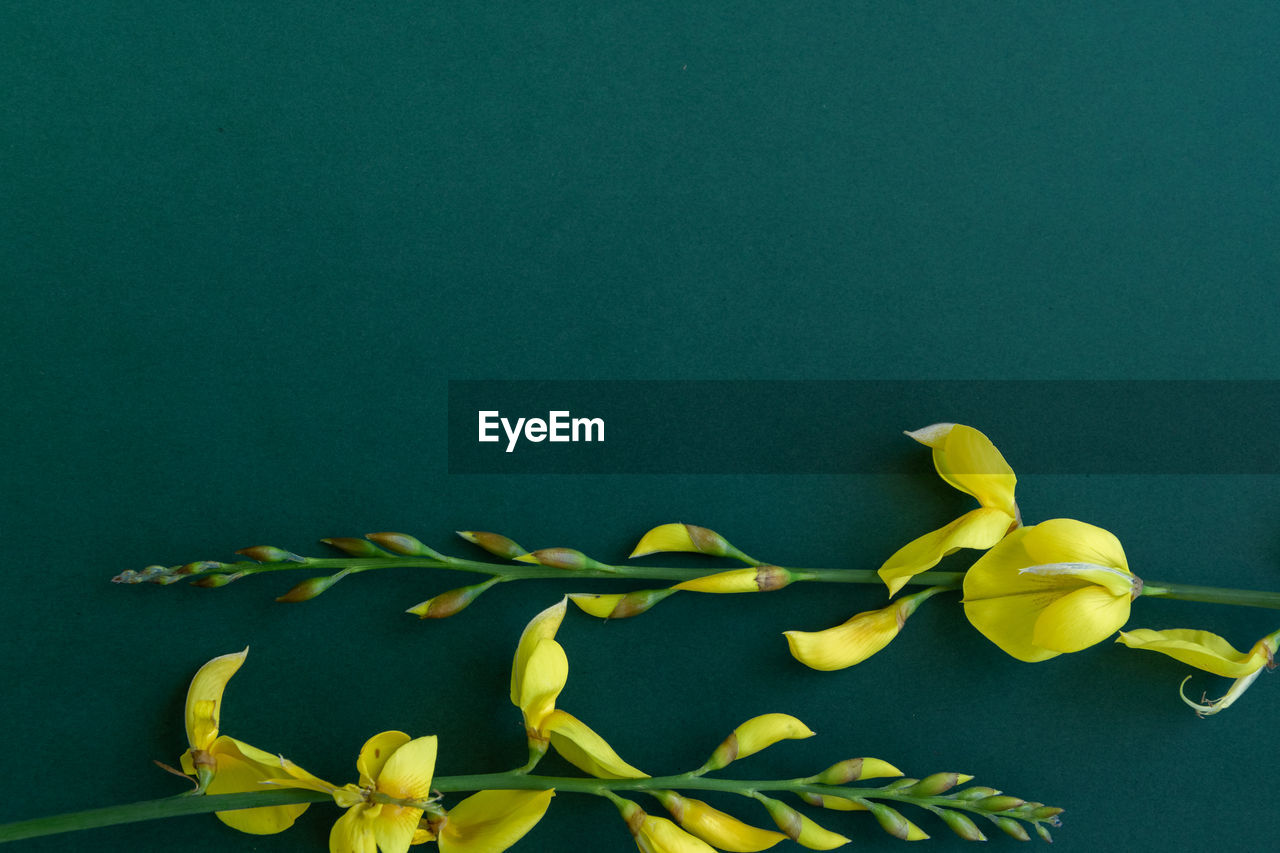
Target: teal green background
x=245, y=247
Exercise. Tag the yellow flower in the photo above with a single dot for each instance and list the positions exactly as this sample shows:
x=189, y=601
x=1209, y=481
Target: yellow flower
x=538, y=674
x=1208, y=651
x=383, y=811
x=224, y=765
x=968, y=461
x=857, y=639
x=1058, y=586
x=754, y=735
x=491, y=821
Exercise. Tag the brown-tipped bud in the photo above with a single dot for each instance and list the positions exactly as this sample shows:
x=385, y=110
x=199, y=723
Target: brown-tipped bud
x=494, y=543
x=961, y=825
x=687, y=537
x=936, y=784
x=1012, y=828
x=892, y=822
x=631, y=813
x=271, y=554
x=403, y=543
x=560, y=558
x=214, y=581
x=800, y=828
x=619, y=605
x=977, y=792
x=355, y=547
x=448, y=603
x=1049, y=813
x=853, y=769
x=999, y=804
x=311, y=587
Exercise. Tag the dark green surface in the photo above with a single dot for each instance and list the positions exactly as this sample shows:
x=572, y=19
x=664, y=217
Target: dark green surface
x=243, y=252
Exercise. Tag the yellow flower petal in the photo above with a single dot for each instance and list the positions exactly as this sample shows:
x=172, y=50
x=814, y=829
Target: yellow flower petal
x=204, y=698
x=395, y=826
x=764, y=731
x=585, y=749
x=1065, y=540
x=492, y=821
x=375, y=752
x=734, y=580
x=659, y=835
x=1201, y=649
x=546, y=673
x=541, y=627
x=353, y=832
x=980, y=528
x=720, y=830
x=1080, y=619
x=242, y=768
x=406, y=775
x=599, y=605
x=849, y=643
x=967, y=460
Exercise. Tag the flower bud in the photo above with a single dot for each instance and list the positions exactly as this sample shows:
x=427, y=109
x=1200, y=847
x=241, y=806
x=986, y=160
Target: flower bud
x=961, y=825
x=494, y=543
x=403, y=543
x=561, y=558
x=757, y=579
x=754, y=735
x=1049, y=813
x=853, y=769
x=1043, y=832
x=801, y=829
x=448, y=603
x=619, y=605
x=312, y=587
x=271, y=554
x=937, y=783
x=1011, y=828
x=713, y=826
x=355, y=547
x=214, y=581
x=977, y=792
x=687, y=537
x=826, y=801
x=858, y=638
x=999, y=804
x=892, y=822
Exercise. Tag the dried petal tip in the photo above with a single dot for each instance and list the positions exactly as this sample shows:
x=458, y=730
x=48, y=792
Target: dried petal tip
x=271, y=554
x=403, y=543
x=494, y=543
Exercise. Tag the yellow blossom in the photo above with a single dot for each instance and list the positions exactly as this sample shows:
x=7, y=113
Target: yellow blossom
x=968, y=461
x=857, y=639
x=224, y=765
x=754, y=735
x=491, y=821
x=1211, y=653
x=538, y=675
x=1058, y=586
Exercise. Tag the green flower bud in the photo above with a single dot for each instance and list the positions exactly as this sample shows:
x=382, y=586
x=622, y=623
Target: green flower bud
x=271, y=554
x=403, y=543
x=355, y=547
x=494, y=543
x=961, y=825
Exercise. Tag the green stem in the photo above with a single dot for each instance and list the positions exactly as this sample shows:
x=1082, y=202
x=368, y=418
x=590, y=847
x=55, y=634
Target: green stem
x=1212, y=594
x=188, y=805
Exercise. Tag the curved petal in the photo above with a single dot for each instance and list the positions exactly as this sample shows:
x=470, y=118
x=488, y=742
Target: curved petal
x=968, y=461
x=659, y=835
x=1115, y=581
x=599, y=605
x=492, y=821
x=375, y=752
x=1201, y=649
x=1010, y=621
x=353, y=832
x=241, y=768
x=765, y=730
x=849, y=643
x=546, y=673
x=665, y=537
x=979, y=528
x=541, y=627
x=204, y=698
x=407, y=773
x=586, y=750
x=395, y=827
x=1080, y=619
x=1065, y=540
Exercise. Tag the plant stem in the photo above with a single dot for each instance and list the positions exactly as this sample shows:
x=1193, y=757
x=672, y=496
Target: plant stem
x=1212, y=594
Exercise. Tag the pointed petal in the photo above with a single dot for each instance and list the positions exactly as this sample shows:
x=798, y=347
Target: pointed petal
x=720, y=830
x=395, y=827
x=968, y=461
x=407, y=773
x=659, y=835
x=847, y=644
x=599, y=605
x=541, y=627
x=979, y=528
x=375, y=752
x=586, y=750
x=1201, y=649
x=934, y=435
x=1080, y=619
x=492, y=821
x=353, y=832
x=665, y=537
x=765, y=730
x=546, y=673
x=733, y=580
x=204, y=698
